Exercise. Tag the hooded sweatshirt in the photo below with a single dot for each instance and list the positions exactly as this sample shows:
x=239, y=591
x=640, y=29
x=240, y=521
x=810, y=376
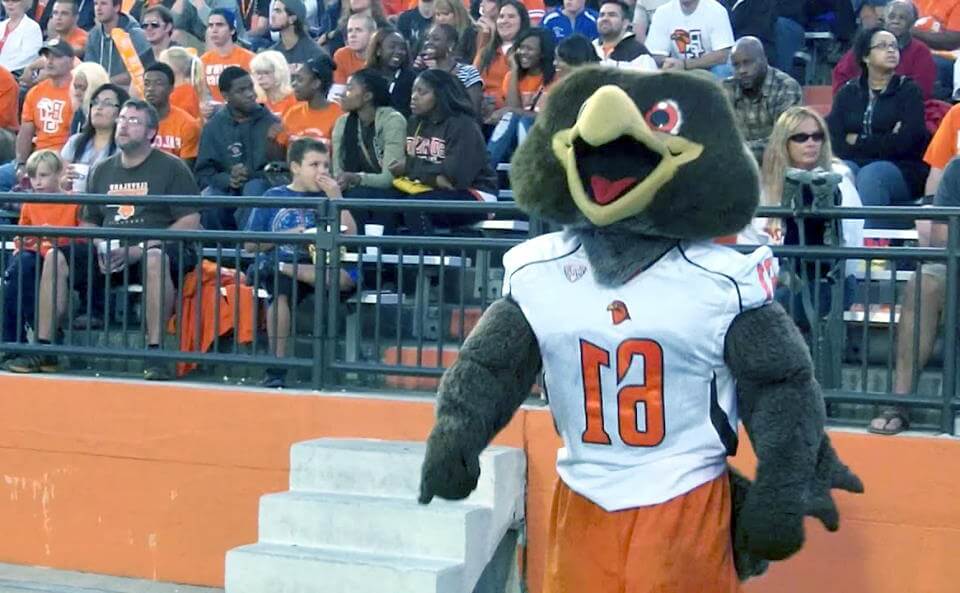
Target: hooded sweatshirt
x=450, y=146
x=101, y=49
x=225, y=142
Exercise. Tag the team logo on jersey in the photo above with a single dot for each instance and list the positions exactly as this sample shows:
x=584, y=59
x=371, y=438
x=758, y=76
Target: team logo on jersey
x=618, y=312
x=574, y=272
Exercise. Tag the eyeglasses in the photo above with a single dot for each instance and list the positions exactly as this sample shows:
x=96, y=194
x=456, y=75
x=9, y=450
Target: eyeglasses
x=886, y=46
x=133, y=121
x=151, y=25
x=802, y=137
x=110, y=104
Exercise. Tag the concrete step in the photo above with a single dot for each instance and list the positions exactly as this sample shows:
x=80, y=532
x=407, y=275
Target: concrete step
x=379, y=525
x=270, y=568
x=392, y=469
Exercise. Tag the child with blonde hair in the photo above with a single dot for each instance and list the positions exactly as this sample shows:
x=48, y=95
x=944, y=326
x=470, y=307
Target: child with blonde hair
x=188, y=87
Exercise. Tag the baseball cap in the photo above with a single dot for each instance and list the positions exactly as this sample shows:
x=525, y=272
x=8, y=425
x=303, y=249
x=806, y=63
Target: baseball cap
x=321, y=66
x=57, y=47
x=296, y=7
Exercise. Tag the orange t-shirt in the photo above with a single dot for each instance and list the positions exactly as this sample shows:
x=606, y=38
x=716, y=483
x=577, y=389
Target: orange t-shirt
x=348, y=62
x=185, y=97
x=46, y=214
x=77, y=40
x=938, y=14
x=493, y=75
x=530, y=88
x=302, y=122
x=945, y=144
x=178, y=134
x=9, y=100
x=49, y=109
x=214, y=64
x=537, y=10
x=281, y=107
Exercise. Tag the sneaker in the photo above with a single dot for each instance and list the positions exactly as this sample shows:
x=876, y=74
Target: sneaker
x=274, y=379
x=157, y=372
x=33, y=363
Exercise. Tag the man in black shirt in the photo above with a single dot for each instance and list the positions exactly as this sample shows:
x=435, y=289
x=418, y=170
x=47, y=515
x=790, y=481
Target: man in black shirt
x=414, y=23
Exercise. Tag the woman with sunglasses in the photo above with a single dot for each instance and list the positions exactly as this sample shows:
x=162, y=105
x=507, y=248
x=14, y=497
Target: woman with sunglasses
x=877, y=125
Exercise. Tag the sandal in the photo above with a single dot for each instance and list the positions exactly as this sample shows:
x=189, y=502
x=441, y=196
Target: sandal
x=888, y=415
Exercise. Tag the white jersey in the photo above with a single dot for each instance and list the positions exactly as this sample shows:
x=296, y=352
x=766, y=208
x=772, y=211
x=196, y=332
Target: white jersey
x=635, y=374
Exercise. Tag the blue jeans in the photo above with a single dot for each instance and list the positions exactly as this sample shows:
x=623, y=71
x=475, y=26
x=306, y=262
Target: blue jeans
x=880, y=183
x=943, y=86
x=507, y=136
x=19, y=291
x=228, y=219
x=788, y=39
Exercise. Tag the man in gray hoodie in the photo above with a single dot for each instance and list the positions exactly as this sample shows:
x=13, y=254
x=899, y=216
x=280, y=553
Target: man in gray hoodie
x=101, y=47
x=235, y=146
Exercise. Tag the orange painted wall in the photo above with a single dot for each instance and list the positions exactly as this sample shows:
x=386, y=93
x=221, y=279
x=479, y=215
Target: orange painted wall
x=158, y=481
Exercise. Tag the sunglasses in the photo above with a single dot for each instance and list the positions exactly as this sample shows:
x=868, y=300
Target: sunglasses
x=151, y=25
x=801, y=138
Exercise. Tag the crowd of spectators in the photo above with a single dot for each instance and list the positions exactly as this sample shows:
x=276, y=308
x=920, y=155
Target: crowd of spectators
x=393, y=98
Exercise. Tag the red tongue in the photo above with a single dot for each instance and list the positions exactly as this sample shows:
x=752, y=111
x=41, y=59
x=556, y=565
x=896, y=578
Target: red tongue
x=606, y=191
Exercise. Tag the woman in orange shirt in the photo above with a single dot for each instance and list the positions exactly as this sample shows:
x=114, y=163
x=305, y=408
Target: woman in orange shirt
x=492, y=59
x=188, y=75
x=531, y=70
x=271, y=79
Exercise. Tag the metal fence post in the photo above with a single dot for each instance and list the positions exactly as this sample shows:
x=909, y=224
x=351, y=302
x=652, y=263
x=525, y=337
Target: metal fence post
x=950, y=331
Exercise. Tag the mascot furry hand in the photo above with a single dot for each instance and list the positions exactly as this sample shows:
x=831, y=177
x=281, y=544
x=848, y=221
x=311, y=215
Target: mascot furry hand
x=653, y=341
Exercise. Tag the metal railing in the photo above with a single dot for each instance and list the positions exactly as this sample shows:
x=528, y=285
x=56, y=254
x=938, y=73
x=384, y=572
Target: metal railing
x=415, y=299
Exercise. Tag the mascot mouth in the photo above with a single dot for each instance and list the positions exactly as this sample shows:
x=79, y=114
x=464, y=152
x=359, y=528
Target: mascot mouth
x=604, y=166
x=614, y=162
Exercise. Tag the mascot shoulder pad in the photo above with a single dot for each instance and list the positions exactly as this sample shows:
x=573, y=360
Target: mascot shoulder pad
x=544, y=248
x=752, y=274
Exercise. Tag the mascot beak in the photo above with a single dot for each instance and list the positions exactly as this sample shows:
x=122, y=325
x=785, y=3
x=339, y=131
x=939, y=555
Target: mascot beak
x=614, y=161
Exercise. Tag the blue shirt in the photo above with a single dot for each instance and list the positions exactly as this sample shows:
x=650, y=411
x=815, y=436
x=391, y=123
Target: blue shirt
x=282, y=219
x=585, y=24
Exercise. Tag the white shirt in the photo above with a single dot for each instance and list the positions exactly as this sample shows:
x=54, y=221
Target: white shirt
x=22, y=46
x=641, y=63
x=635, y=374
x=678, y=35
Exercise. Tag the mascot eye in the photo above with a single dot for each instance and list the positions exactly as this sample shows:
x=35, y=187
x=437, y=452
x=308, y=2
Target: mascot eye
x=665, y=117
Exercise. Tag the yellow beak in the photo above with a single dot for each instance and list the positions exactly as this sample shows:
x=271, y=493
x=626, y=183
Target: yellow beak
x=607, y=115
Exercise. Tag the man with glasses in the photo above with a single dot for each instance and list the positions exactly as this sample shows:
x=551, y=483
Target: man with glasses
x=759, y=93
x=157, y=26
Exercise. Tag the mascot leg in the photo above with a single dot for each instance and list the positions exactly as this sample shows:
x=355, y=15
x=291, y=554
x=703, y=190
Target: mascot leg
x=681, y=545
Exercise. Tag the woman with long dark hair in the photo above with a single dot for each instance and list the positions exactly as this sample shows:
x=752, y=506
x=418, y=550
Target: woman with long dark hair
x=446, y=153
x=389, y=56
x=439, y=52
x=95, y=142
x=531, y=71
x=369, y=136
x=512, y=19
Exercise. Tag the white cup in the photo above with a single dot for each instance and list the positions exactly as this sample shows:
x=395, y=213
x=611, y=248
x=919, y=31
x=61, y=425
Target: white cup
x=80, y=183
x=372, y=230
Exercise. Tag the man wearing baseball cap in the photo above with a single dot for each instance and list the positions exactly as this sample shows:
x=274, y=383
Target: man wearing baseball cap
x=288, y=18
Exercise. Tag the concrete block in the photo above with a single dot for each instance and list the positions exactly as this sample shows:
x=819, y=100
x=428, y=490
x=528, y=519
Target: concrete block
x=266, y=568
x=374, y=524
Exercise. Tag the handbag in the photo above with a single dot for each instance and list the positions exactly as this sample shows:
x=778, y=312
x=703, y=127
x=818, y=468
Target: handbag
x=410, y=186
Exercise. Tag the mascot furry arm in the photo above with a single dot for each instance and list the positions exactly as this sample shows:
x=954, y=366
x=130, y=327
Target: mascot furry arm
x=634, y=166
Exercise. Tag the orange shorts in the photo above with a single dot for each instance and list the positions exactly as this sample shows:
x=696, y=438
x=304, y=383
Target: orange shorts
x=680, y=546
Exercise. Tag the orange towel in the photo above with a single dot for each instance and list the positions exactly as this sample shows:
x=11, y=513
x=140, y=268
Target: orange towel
x=205, y=299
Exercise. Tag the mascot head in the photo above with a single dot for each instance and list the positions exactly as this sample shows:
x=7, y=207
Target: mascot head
x=655, y=154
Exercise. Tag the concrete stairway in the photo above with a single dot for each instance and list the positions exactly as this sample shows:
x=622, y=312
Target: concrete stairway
x=350, y=523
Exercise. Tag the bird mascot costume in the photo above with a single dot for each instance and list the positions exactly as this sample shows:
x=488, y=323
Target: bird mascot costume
x=654, y=343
